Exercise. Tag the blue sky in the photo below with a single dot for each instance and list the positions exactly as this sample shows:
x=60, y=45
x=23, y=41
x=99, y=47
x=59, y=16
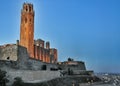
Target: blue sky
x=86, y=30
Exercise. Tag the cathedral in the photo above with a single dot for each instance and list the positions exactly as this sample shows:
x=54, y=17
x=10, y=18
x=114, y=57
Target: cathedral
x=36, y=49
x=34, y=60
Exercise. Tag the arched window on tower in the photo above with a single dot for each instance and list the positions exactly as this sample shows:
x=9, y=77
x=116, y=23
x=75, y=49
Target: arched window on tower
x=25, y=20
x=26, y=8
x=30, y=8
x=30, y=20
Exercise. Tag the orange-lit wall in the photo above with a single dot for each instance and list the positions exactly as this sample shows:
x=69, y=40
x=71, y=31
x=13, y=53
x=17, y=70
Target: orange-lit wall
x=35, y=48
x=27, y=28
x=53, y=53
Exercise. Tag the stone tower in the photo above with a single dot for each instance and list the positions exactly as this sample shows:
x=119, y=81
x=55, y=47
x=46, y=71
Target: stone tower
x=27, y=28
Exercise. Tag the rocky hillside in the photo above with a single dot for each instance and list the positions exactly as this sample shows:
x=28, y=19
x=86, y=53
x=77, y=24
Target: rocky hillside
x=66, y=81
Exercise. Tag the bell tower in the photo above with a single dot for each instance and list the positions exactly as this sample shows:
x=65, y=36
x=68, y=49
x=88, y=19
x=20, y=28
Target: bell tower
x=27, y=28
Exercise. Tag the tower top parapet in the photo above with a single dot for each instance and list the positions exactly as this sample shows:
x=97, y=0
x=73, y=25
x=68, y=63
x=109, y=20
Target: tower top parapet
x=27, y=7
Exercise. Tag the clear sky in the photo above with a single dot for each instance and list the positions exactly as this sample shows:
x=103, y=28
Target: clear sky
x=87, y=30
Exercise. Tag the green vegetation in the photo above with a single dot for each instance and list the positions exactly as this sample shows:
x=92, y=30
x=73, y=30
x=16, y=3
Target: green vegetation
x=3, y=79
x=18, y=82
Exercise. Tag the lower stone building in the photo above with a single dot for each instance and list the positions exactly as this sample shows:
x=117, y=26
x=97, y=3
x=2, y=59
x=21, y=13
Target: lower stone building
x=17, y=57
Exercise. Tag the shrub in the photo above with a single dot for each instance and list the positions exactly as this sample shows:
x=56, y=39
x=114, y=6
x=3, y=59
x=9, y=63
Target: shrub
x=18, y=82
x=3, y=79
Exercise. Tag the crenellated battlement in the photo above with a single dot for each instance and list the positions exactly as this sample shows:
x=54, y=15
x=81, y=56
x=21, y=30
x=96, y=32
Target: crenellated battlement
x=28, y=7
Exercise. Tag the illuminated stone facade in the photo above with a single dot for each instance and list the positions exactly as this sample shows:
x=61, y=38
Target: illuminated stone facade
x=35, y=48
x=53, y=55
x=27, y=28
x=40, y=52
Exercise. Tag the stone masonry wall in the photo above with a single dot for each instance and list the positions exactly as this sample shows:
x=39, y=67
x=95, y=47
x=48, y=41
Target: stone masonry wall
x=19, y=59
x=33, y=76
x=80, y=66
x=34, y=64
x=8, y=53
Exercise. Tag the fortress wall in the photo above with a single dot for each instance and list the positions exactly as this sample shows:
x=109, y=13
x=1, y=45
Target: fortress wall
x=83, y=72
x=22, y=54
x=80, y=66
x=8, y=53
x=19, y=59
x=37, y=65
x=34, y=64
x=49, y=66
x=14, y=52
x=23, y=57
x=33, y=76
x=25, y=62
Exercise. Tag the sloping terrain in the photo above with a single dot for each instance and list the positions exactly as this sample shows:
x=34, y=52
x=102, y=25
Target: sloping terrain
x=66, y=81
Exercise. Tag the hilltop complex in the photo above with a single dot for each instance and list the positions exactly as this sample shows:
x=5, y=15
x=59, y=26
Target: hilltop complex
x=35, y=48
x=31, y=60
